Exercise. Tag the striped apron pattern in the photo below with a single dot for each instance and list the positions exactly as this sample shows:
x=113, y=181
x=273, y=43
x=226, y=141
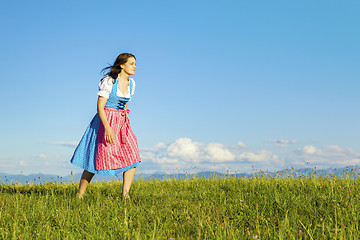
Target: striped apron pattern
x=124, y=150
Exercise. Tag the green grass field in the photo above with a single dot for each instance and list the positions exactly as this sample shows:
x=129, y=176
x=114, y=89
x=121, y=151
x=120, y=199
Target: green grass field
x=228, y=208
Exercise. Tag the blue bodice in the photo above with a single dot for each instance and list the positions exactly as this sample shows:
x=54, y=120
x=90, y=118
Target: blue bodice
x=114, y=101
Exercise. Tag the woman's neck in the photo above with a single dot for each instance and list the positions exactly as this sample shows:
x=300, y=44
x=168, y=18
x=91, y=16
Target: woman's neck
x=123, y=76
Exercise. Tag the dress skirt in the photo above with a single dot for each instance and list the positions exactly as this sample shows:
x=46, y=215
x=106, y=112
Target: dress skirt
x=97, y=156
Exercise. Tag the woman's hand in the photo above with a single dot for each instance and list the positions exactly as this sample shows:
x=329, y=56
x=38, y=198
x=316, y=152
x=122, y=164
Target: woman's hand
x=109, y=135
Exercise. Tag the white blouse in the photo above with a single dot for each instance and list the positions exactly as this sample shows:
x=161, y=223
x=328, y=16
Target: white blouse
x=106, y=85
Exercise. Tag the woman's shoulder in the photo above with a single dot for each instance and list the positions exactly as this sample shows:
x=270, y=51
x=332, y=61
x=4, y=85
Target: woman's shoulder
x=107, y=79
x=105, y=86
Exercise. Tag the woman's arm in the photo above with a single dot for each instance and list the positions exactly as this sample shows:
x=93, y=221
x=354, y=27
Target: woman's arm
x=109, y=134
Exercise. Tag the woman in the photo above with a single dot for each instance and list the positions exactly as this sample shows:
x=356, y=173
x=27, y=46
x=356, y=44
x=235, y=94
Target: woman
x=109, y=146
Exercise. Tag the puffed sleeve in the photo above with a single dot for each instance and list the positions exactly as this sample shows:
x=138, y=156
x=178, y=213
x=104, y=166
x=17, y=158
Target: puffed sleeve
x=132, y=87
x=105, y=86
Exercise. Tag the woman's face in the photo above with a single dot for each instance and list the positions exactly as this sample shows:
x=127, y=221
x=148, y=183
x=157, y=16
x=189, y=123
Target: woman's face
x=130, y=66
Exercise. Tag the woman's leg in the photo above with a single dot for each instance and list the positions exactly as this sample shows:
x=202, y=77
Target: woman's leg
x=128, y=177
x=84, y=182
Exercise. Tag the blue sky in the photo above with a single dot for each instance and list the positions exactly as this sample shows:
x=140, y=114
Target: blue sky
x=220, y=85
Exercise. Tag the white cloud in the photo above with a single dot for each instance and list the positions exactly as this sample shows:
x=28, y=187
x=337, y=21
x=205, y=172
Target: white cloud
x=259, y=157
x=324, y=157
x=334, y=148
x=160, y=145
x=165, y=160
x=217, y=153
x=146, y=154
x=23, y=163
x=309, y=149
x=42, y=156
x=283, y=142
x=184, y=148
x=241, y=144
x=186, y=154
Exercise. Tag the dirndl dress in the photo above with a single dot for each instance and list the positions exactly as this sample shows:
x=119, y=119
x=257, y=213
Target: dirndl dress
x=97, y=156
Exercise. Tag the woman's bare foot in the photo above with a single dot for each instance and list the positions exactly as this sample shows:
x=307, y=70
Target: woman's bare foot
x=126, y=197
